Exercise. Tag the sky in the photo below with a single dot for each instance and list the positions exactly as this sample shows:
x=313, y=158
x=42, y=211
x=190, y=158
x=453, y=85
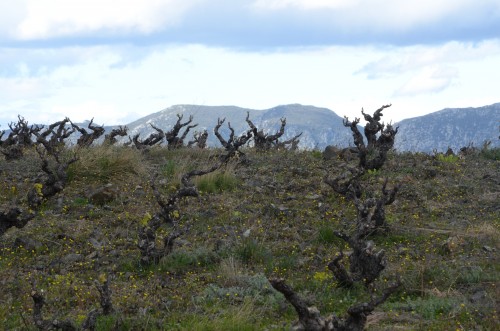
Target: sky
x=118, y=60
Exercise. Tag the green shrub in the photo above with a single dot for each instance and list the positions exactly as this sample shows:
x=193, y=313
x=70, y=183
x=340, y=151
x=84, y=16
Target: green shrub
x=169, y=169
x=317, y=154
x=471, y=275
x=182, y=260
x=326, y=235
x=217, y=182
x=447, y=158
x=246, y=316
x=250, y=251
x=256, y=288
x=103, y=163
x=491, y=153
x=431, y=307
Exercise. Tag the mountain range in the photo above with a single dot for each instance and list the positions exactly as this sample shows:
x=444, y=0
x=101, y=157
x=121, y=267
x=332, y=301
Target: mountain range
x=449, y=128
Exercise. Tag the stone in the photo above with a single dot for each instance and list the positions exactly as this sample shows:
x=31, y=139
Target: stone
x=478, y=296
x=103, y=195
x=72, y=258
x=452, y=244
x=331, y=152
x=488, y=249
x=27, y=243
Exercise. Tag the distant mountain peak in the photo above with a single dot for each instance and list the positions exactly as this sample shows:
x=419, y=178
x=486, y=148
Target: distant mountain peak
x=450, y=127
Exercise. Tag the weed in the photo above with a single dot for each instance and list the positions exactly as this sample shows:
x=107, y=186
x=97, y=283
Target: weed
x=326, y=235
x=183, y=260
x=80, y=202
x=471, y=275
x=447, y=158
x=217, y=182
x=243, y=317
x=250, y=251
x=243, y=286
x=104, y=163
x=317, y=154
x=169, y=168
x=491, y=153
x=432, y=307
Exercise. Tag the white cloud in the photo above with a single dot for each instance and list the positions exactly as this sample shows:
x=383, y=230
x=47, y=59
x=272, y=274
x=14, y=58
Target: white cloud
x=304, y=4
x=94, y=85
x=405, y=59
x=392, y=16
x=429, y=69
x=429, y=80
x=56, y=18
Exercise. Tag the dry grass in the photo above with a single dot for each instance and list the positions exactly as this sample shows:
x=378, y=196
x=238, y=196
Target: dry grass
x=103, y=164
x=291, y=212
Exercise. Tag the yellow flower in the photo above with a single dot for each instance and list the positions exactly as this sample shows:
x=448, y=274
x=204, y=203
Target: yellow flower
x=38, y=189
x=103, y=278
x=322, y=276
x=147, y=217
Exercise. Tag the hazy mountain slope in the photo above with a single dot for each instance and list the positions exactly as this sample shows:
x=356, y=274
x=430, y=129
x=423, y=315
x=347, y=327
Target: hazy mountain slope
x=452, y=127
x=320, y=126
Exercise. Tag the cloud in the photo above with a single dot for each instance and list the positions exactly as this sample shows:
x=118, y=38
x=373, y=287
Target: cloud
x=304, y=4
x=407, y=59
x=247, y=24
x=429, y=80
x=428, y=69
x=62, y=18
x=395, y=21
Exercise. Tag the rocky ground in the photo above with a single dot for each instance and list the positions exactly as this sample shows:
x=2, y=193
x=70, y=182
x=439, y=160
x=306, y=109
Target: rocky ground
x=270, y=217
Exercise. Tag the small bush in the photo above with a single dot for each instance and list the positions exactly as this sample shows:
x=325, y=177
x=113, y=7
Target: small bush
x=104, y=163
x=491, y=153
x=250, y=251
x=317, y=154
x=447, y=158
x=326, y=235
x=182, y=260
x=242, y=317
x=217, y=182
x=169, y=169
x=243, y=286
x=433, y=307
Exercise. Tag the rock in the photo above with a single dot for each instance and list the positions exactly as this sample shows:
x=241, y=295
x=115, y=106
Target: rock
x=478, y=296
x=182, y=242
x=97, y=244
x=430, y=173
x=402, y=251
x=139, y=191
x=103, y=195
x=27, y=243
x=246, y=234
x=72, y=258
x=452, y=244
x=114, y=253
x=331, y=152
x=488, y=249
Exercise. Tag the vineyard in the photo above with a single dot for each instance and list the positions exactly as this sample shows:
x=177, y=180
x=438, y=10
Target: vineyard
x=165, y=234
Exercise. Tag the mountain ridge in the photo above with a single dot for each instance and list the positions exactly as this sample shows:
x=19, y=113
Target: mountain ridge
x=448, y=128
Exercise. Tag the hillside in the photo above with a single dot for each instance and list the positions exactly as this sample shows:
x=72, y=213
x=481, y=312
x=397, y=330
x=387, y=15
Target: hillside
x=272, y=216
x=319, y=126
x=453, y=128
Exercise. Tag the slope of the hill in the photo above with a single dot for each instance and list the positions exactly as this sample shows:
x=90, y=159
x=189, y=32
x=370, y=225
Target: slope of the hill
x=319, y=126
x=270, y=217
x=450, y=128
